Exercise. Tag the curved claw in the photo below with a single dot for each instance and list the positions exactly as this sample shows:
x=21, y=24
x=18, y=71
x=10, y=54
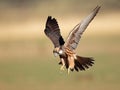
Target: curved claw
x=68, y=70
x=62, y=68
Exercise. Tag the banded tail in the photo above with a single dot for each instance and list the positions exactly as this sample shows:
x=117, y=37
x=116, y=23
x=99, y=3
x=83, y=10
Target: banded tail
x=83, y=63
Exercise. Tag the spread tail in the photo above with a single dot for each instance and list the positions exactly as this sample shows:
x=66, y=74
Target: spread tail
x=82, y=63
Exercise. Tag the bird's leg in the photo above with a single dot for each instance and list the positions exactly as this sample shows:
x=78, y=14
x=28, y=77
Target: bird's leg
x=68, y=70
x=71, y=63
x=63, y=64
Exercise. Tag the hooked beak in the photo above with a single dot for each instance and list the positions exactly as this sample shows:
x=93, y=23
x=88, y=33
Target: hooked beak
x=55, y=54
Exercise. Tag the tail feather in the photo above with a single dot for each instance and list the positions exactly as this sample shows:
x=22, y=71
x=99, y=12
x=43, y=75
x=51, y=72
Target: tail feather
x=82, y=63
x=76, y=69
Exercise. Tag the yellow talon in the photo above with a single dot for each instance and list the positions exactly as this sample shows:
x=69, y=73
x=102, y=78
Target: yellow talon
x=68, y=70
x=62, y=68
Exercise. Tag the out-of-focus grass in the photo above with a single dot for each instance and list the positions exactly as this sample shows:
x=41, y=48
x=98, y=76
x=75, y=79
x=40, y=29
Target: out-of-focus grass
x=39, y=69
x=26, y=59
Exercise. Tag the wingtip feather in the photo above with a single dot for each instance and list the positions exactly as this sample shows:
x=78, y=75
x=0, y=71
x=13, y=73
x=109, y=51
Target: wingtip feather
x=97, y=8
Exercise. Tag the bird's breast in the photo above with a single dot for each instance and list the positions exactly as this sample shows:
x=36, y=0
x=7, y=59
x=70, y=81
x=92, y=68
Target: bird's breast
x=68, y=51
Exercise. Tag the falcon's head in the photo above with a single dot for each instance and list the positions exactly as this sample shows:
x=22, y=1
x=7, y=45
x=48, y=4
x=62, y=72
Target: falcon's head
x=57, y=51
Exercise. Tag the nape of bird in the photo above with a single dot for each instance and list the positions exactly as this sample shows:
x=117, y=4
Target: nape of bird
x=66, y=50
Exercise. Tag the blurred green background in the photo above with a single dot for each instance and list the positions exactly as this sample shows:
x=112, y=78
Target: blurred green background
x=26, y=59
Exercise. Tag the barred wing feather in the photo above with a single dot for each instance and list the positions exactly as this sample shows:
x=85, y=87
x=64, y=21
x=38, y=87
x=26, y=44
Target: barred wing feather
x=53, y=32
x=75, y=35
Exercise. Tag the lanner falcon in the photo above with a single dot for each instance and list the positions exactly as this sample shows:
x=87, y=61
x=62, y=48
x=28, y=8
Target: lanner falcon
x=66, y=50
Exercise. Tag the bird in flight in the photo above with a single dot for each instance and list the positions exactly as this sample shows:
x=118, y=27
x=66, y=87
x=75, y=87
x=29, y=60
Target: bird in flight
x=66, y=50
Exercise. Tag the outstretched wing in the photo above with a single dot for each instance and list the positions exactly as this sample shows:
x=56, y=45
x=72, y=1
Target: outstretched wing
x=75, y=35
x=53, y=32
